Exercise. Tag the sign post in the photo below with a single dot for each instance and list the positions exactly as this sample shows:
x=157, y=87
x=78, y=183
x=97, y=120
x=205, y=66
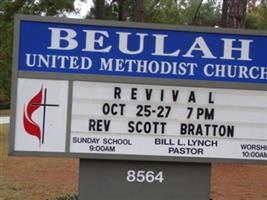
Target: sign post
x=151, y=105
x=127, y=180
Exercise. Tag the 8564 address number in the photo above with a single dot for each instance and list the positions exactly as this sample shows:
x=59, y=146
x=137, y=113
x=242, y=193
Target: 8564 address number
x=142, y=176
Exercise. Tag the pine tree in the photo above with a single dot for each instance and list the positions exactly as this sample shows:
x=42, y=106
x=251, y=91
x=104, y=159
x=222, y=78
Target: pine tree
x=234, y=13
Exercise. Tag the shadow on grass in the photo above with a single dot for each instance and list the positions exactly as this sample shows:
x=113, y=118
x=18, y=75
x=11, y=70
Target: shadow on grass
x=67, y=197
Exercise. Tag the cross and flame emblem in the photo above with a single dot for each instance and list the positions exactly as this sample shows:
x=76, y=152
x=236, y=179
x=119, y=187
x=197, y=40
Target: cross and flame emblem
x=37, y=101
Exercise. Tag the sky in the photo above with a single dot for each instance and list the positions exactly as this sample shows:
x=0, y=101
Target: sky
x=83, y=7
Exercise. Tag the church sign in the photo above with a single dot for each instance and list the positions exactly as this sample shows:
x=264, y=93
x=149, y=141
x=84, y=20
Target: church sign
x=110, y=90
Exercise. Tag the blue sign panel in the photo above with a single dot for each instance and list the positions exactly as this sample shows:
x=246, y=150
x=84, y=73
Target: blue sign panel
x=141, y=52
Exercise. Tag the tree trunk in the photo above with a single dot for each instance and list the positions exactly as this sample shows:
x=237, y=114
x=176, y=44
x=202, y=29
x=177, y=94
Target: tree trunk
x=123, y=8
x=138, y=10
x=196, y=15
x=234, y=13
x=99, y=9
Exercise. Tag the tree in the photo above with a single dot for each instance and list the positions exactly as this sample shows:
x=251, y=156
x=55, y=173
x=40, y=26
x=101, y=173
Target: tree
x=123, y=10
x=138, y=10
x=163, y=11
x=194, y=12
x=234, y=13
x=102, y=9
x=209, y=14
x=256, y=17
x=197, y=11
x=99, y=9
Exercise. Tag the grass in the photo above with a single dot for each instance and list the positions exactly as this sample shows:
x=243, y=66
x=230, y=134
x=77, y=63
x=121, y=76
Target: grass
x=3, y=152
x=67, y=197
x=34, y=178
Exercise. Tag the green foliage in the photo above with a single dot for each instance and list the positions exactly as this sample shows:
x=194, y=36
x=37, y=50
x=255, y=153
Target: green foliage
x=194, y=12
x=110, y=9
x=37, y=7
x=6, y=29
x=209, y=14
x=165, y=11
x=257, y=16
x=54, y=7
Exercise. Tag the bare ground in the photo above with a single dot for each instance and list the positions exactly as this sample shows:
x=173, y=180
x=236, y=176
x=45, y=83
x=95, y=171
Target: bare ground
x=239, y=182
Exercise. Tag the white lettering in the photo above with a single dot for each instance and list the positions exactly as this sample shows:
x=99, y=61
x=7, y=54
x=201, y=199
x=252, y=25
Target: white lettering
x=57, y=38
x=200, y=45
x=91, y=41
x=228, y=49
x=159, y=46
x=123, y=43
